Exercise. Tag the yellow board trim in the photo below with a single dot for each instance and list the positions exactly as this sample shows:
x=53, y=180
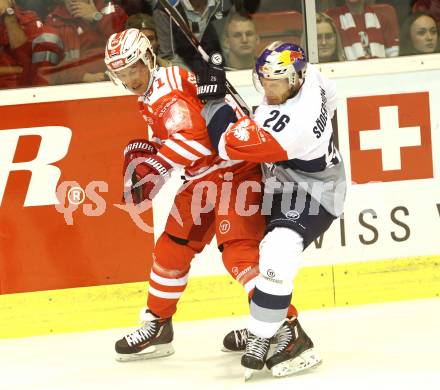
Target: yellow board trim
x=114, y=306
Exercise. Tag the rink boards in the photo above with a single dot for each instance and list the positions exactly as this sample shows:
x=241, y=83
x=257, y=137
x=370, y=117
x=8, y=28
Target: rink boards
x=111, y=306
x=74, y=267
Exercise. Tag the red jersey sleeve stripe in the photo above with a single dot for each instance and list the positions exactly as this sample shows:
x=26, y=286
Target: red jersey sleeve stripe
x=171, y=162
x=191, y=153
x=173, y=157
x=193, y=144
x=179, y=148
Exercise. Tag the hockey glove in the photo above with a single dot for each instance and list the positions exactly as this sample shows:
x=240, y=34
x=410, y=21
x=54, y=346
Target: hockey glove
x=211, y=79
x=137, y=148
x=148, y=178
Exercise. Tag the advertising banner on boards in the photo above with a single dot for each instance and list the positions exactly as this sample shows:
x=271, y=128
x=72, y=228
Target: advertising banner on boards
x=62, y=222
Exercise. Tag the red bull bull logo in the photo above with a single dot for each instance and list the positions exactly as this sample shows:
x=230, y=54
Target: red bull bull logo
x=295, y=55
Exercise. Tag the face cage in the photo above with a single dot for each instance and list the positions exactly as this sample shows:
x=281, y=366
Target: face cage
x=259, y=87
x=145, y=59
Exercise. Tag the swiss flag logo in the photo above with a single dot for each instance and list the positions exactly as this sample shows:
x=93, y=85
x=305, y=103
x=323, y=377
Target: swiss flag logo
x=390, y=137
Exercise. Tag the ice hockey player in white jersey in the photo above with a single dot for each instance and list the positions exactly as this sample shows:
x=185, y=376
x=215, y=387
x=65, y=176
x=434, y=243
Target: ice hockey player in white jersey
x=292, y=136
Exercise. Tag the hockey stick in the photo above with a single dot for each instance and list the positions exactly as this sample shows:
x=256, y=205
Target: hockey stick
x=180, y=22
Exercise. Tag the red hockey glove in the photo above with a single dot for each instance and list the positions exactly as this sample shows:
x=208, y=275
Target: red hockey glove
x=148, y=178
x=137, y=148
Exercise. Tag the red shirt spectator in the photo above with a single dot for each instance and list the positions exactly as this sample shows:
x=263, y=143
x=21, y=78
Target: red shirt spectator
x=84, y=27
x=365, y=33
x=25, y=46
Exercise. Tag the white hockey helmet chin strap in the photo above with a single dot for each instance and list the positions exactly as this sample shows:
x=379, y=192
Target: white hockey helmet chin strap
x=151, y=68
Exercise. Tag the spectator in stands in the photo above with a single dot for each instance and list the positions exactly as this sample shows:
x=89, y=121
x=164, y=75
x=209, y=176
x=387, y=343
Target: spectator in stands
x=145, y=23
x=40, y=7
x=430, y=6
x=401, y=8
x=84, y=26
x=419, y=35
x=25, y=46
x=200, y=16
x=240, y=41
x=364, y=33
x=329, y=41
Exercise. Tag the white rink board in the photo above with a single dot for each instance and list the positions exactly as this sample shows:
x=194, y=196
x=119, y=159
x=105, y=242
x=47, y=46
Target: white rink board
x=419, y=197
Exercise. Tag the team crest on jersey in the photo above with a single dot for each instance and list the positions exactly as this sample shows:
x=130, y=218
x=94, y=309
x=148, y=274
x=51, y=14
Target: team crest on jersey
x=241, y=132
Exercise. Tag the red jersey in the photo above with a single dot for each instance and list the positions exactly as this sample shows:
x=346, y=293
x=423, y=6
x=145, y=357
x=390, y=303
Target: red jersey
x=84, y=41
x=42, y=48
x=369, y=35
x=176, y=116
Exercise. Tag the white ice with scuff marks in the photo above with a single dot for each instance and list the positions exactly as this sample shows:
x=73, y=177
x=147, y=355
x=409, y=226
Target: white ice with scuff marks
x=393, y=346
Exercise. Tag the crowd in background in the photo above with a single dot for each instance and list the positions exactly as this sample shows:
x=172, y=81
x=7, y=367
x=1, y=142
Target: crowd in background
x=52, y=42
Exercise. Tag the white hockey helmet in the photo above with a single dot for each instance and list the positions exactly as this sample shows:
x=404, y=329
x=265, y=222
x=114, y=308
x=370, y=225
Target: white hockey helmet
x=280, y=60
x=126, y=48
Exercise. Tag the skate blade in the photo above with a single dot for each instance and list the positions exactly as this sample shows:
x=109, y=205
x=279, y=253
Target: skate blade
x=152, y=352
x=224, y=349
x=308, y=359
x=248, y=374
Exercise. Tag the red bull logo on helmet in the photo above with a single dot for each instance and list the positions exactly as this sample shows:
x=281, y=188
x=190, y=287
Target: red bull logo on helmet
x=295, y=55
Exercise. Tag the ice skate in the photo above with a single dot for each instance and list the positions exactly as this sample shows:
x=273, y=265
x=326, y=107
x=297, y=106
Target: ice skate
x=152, y=340
x=294, y=352
x=255, y=354
x=235, y=340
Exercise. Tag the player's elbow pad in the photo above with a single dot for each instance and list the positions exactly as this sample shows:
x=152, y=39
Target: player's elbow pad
x=218, y=123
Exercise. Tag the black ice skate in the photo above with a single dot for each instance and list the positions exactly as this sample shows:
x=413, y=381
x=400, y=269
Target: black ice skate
x=235, y=340
x=152, y=340
x=255, y=354
x=294, y=352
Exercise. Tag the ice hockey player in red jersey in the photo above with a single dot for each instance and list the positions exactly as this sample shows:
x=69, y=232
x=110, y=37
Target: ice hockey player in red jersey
x=180, y=124
x=291, y=135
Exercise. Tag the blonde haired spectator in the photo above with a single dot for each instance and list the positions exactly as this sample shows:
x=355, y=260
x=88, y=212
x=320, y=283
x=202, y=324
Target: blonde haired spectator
x=329, y=41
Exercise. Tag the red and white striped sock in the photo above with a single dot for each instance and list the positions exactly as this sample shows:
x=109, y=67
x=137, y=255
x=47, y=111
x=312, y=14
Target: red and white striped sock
x=165, y=291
